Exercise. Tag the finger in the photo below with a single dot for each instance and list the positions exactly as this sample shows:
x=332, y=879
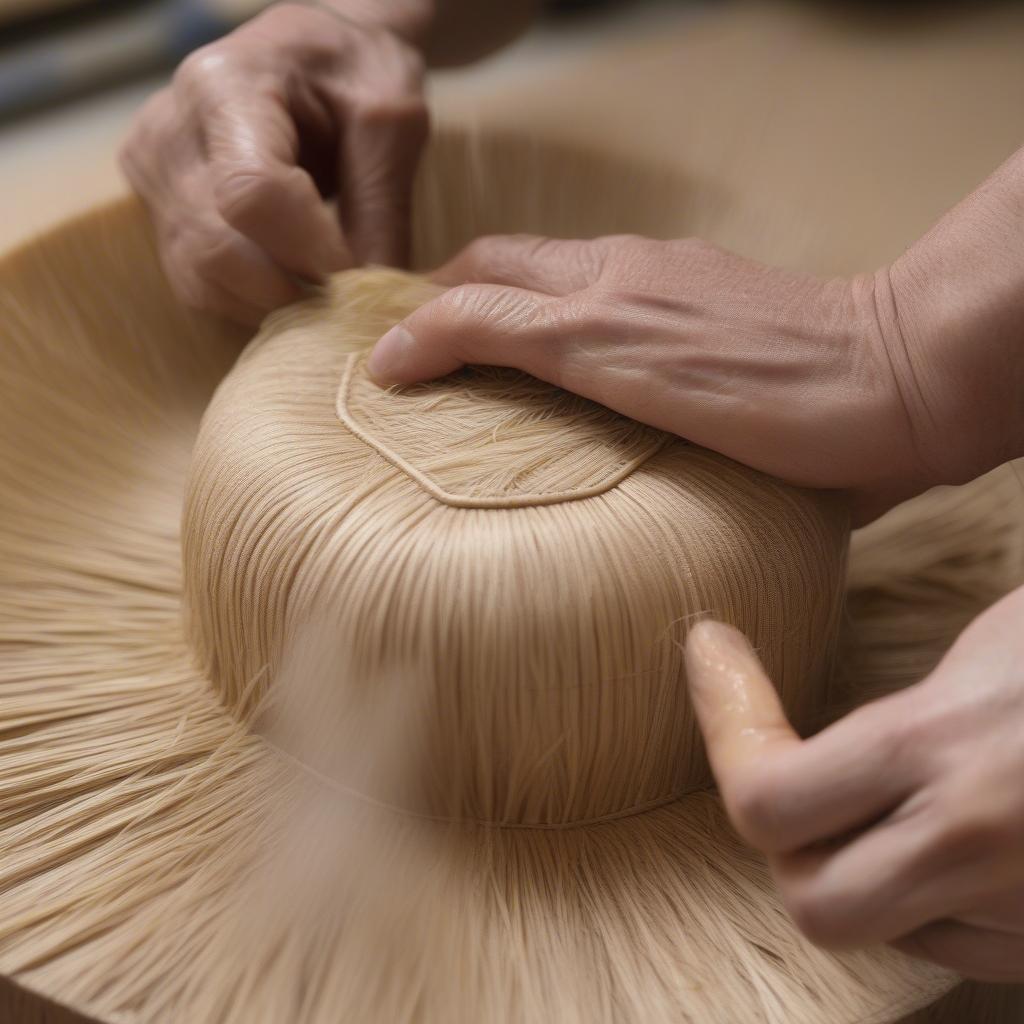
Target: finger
x=738, y=710
x=259, y=189
x=551, y=265
x=870, y=890
x=473, y=324
x=209, y=297
x=1003, y=908
x=214, y=267
x=836, y=783
x=218, y=301
x=380, y=148
x=784, y=793
x=980, y=953
x=946, y=852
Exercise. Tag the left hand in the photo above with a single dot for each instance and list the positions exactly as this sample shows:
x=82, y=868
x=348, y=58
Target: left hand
x=901, y=823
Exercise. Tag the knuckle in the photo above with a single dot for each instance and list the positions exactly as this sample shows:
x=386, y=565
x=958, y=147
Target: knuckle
x=244, y=193
x=584, y=261
x=196, y=70
x=484, y=250
x=624, y=240
x=386, y=84
x=396, y=62
x=537, y=247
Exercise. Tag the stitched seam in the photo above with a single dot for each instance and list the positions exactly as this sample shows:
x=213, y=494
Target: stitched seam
x=610, y=481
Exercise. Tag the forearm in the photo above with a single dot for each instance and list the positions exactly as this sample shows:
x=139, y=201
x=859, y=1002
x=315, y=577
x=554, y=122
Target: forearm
x=954, y=303
x=447, y=32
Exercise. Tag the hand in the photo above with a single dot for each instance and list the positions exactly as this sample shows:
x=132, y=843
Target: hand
x=800, y=377
x=234, y=158
x=901, y=823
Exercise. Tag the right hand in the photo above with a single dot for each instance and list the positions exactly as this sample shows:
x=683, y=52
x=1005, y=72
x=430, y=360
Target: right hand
x=902, y=822
x=235, y=158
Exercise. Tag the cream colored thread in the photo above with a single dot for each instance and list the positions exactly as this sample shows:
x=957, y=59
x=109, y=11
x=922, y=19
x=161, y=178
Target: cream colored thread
x=484, y=501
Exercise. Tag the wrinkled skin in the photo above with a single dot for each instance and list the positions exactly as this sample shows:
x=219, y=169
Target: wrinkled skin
x=233, y=159
x=881, y=385
x=901, y=823
x=784, y=372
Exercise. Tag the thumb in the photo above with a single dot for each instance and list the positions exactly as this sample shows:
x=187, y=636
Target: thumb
x=488, y=324
x=744, y=725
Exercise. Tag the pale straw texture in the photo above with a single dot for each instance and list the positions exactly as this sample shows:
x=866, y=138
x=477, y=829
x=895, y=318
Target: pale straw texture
x=164, y=856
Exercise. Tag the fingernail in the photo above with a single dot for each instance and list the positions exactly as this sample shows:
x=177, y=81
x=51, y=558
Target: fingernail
x=389, y=356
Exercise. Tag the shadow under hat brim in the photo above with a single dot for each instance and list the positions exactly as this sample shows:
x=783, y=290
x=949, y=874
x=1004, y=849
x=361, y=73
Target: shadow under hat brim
x=125, y=786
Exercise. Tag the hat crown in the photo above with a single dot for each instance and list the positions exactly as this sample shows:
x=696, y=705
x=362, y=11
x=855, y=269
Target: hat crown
x=515, y=566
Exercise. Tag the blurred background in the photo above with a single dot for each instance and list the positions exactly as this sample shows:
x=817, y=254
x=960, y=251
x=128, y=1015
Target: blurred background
x=816, y=117
x=73, y=72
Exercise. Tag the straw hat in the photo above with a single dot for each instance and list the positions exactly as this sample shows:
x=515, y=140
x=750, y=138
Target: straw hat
x=555, y=850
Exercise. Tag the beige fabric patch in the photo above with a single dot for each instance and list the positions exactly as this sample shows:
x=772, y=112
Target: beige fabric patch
x=488, y=437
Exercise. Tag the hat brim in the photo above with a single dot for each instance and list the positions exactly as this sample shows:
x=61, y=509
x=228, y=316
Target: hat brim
x=124, y=784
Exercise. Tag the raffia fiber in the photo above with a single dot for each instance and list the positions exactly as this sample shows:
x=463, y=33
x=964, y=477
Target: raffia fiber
x=142, y=813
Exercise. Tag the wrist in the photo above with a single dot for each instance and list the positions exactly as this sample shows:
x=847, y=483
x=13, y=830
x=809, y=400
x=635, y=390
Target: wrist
x=957, y=355
x=960, y=296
